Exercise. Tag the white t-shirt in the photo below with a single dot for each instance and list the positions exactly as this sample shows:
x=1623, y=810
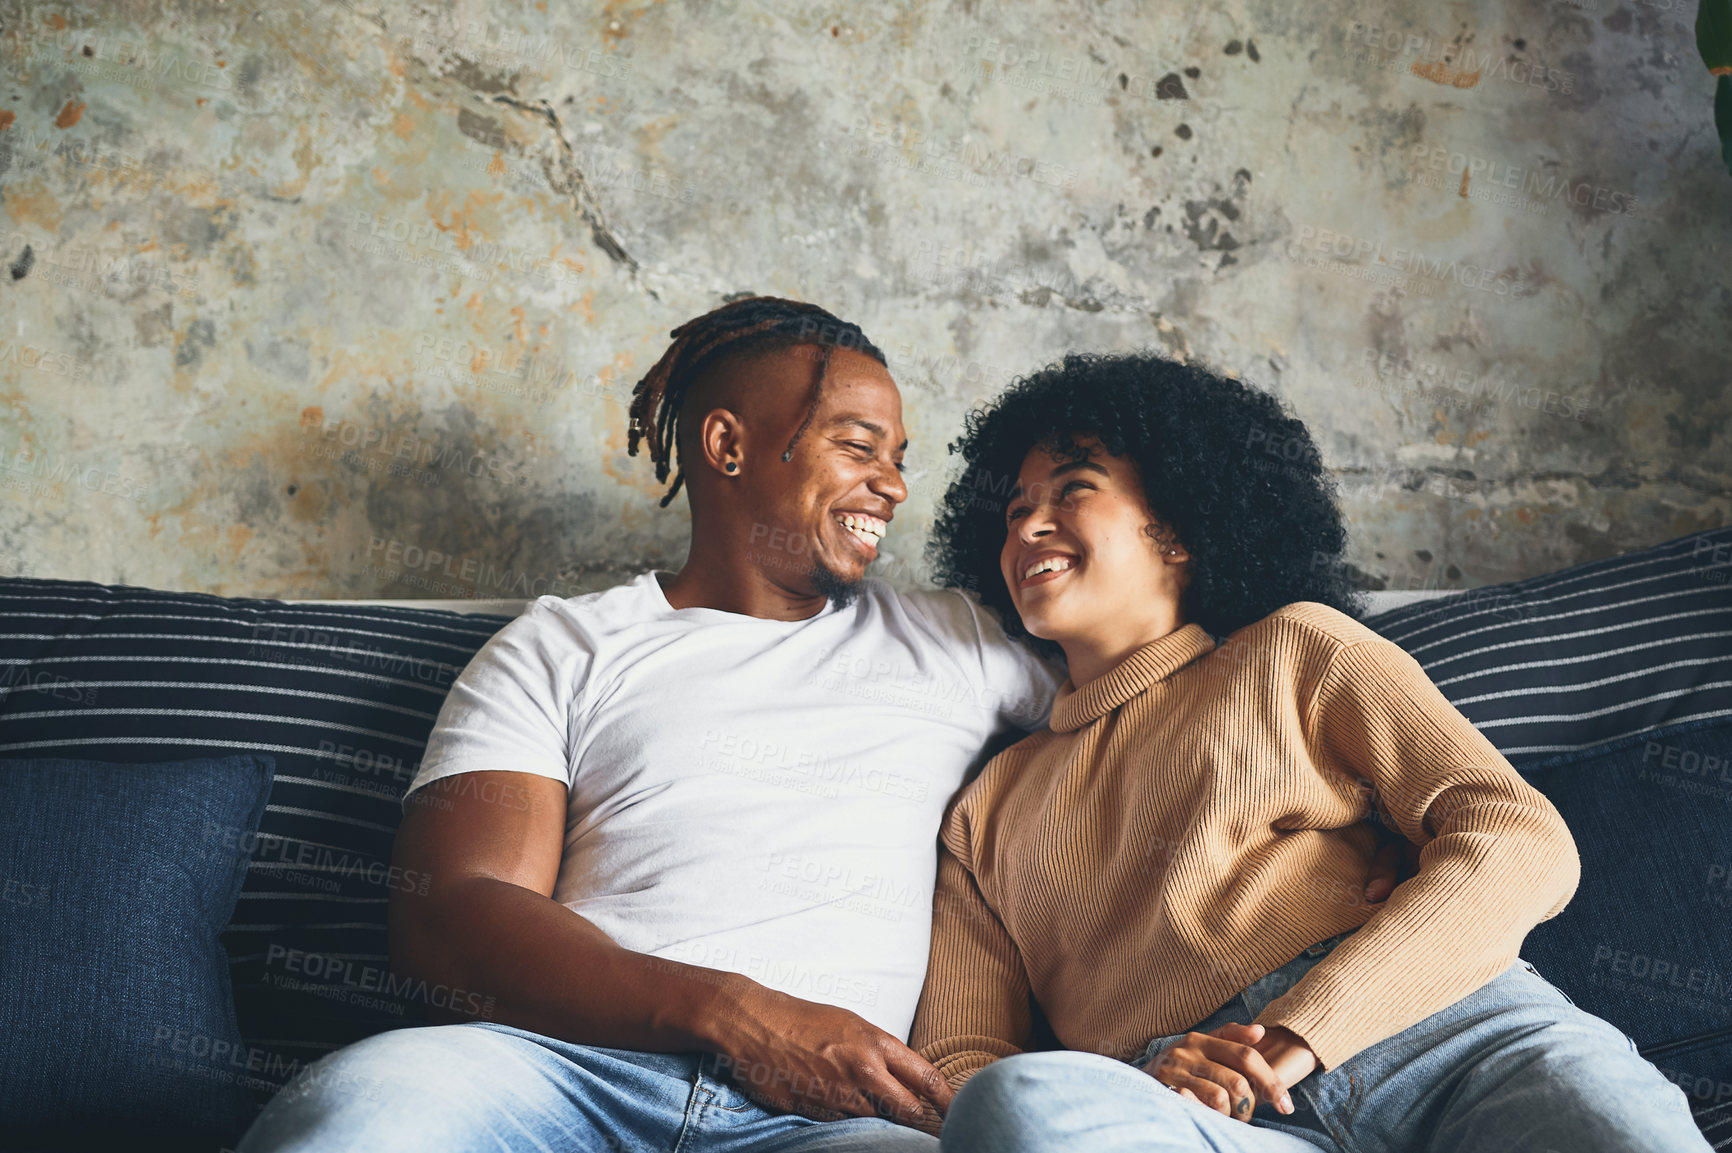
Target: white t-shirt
x=756, y=796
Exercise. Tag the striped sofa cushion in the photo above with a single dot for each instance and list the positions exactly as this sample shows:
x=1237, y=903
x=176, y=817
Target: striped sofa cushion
x=1597, y=652
x=342, y=697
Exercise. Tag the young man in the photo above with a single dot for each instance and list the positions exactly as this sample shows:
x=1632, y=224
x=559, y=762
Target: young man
x=683, y=832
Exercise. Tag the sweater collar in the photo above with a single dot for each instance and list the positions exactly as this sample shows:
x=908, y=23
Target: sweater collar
x=1156, y=661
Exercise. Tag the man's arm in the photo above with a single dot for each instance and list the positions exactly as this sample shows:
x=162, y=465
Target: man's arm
x=1397, y=860
x=491, y=847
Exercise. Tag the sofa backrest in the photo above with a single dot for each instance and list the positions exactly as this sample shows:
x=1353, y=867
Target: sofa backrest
x=343, y=698
x=1594, y=653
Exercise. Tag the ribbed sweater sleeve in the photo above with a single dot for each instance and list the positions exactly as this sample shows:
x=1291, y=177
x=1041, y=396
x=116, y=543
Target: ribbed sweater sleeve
x=1496, y=858
x=974, y=1008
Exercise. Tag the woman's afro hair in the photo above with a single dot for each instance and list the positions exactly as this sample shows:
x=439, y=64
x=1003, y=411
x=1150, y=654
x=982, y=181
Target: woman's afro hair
x=1238, y=480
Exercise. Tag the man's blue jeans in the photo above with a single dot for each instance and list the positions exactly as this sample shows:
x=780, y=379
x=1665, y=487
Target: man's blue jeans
x=1513, y=1067
x=471, y=1087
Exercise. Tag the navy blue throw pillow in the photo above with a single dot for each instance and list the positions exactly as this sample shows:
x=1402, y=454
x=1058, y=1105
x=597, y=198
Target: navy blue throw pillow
x=115, y=1007
x=1646, y=942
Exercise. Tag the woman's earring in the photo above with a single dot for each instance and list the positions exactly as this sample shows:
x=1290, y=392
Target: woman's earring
x=732, y=467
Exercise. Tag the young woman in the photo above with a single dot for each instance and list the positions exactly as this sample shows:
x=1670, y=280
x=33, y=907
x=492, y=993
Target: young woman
x=1170, y=870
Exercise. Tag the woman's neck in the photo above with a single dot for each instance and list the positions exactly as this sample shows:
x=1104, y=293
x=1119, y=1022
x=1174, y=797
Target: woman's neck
x=1097, y=652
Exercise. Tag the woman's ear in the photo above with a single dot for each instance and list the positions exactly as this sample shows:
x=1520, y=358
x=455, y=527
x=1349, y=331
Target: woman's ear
x=1167, y=542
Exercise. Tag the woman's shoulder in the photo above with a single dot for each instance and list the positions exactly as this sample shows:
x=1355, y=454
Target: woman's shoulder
x=1311, y=621
x=985, y=792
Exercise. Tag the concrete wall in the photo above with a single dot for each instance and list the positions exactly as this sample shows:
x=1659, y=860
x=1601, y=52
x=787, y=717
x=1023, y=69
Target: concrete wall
x=340, y=300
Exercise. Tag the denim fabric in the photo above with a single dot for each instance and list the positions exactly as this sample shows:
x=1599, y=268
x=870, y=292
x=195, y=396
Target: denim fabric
x=116, y=1020
x=483, y=1086
x=1514, y=1066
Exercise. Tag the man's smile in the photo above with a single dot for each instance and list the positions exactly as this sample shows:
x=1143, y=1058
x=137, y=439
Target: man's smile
x=865, y=528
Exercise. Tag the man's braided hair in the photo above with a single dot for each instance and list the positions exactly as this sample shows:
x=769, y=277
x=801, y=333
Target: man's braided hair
x=746, y=327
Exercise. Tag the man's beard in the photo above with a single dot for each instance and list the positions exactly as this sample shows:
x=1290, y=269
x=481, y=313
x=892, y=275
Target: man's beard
x=840, y=591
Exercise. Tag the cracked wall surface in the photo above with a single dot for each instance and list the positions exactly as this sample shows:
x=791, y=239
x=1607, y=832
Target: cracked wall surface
x=335, y=299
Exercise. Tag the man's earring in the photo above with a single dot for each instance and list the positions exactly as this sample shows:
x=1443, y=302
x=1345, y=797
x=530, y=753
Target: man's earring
x=732, y=467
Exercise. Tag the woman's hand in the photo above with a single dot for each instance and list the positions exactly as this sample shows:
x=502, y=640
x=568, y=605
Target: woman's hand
x=1228, y=1068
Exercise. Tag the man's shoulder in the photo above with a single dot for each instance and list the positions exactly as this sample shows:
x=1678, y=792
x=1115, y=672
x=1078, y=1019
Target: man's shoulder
x=632, y=600
x=950, y=617
x=946, y=608
x=559, y=620
x=972, y=635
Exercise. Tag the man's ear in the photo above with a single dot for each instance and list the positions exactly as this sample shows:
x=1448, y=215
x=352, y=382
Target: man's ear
x=722, y=440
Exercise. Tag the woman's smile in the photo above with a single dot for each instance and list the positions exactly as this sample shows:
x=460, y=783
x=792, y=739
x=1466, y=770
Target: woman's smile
x=1046, y=567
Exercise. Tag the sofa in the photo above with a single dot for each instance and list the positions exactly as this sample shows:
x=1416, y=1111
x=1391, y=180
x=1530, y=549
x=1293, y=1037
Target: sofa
x=198, y=796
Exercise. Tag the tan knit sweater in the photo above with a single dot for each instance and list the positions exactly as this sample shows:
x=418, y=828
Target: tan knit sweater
x=1194, y=819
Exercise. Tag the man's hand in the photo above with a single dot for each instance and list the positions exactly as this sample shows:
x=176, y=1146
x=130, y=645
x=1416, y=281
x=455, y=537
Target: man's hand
x=1395, y=862
x=824, y=1062
x=1286, y=1052
x=1228, y=1070
x=490, y=843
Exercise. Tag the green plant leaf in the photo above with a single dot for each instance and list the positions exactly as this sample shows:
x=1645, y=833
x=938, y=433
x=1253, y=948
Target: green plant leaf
x=1714, y=35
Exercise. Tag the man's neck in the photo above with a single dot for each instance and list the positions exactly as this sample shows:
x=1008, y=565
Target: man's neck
x=715, y=578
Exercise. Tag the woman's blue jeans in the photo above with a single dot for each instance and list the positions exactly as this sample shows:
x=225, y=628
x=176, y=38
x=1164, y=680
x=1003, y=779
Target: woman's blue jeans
x=1513, y=1067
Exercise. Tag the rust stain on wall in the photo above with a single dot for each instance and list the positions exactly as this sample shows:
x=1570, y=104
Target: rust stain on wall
x=31, y=203
x=1438, y=72
x=339, y=303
